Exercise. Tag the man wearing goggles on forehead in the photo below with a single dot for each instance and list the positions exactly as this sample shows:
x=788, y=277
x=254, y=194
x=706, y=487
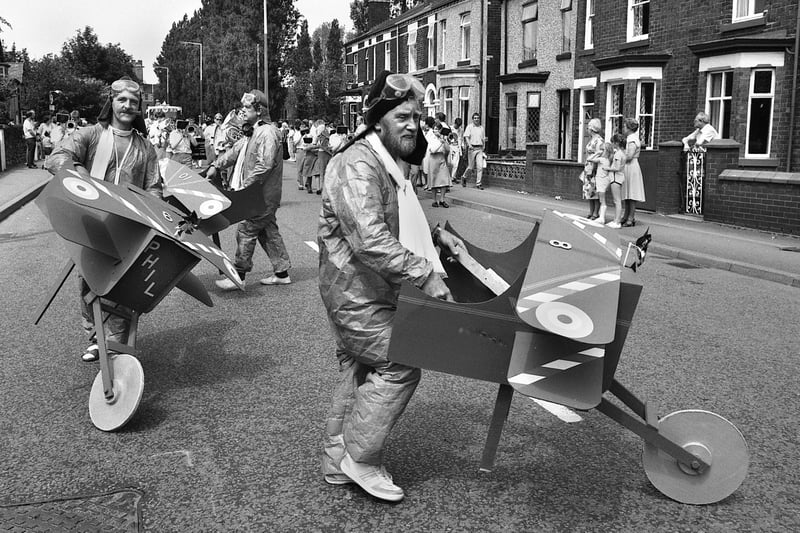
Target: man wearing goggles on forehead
x=116, y=149
x=373, y=236
x=257, y=157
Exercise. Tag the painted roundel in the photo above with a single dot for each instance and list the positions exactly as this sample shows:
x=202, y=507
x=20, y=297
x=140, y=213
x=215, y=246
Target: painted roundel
x=81, y=188
x=211, y=207
x=565, y=320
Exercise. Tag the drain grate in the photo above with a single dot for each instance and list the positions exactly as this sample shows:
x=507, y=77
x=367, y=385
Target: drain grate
x=111, y=511
x=790, y=248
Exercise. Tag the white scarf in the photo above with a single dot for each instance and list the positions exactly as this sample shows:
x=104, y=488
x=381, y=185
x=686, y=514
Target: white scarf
x=238, y=169
x=415, y=235
x=106, y=147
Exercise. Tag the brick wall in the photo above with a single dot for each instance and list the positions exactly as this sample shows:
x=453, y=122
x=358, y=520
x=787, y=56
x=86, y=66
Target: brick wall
x=761, y=200
x=14, y=146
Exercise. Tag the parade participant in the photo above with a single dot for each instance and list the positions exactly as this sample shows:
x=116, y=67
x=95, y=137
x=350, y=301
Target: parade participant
x=115, y=149
x=257, y=158
x=181, y=143
x=372, y=237
x=475, y=143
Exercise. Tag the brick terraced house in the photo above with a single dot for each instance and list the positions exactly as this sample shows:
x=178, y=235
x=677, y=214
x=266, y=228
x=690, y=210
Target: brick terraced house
x=662, y=61
x=444, y=43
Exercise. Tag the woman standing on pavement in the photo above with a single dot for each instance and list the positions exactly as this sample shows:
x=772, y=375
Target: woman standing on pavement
x=594, y=149
x=633, y=187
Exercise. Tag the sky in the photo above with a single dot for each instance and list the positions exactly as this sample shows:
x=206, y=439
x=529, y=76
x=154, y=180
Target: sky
x=139, y=27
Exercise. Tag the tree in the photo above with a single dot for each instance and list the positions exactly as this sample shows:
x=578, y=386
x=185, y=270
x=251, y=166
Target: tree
x=232, y=33
x=89, y=59
x=359, y=14
x=334, y=46
x=316, y=54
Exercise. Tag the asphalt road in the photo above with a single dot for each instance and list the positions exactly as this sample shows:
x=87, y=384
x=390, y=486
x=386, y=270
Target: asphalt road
x=227, y=437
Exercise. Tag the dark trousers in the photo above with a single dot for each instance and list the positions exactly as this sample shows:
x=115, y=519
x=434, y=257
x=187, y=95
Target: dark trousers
x=30, y=144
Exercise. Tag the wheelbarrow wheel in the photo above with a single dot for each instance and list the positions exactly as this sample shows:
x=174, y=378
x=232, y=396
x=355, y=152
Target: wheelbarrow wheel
x=109, y=414
x=708, y=436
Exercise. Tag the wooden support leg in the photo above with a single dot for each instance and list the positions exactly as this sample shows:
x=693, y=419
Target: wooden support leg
x=501, y=407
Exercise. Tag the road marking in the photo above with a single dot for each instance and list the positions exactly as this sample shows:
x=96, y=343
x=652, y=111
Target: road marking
x=313, y=245
x=564, y=413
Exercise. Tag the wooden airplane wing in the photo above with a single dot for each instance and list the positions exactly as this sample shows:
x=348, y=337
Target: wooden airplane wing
x=571, y=287
x=192, y=190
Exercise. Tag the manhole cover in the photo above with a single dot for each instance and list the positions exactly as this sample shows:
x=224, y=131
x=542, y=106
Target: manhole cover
x=110, y=511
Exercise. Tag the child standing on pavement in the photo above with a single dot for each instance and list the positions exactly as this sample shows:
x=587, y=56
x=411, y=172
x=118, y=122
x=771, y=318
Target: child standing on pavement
x=610, y=176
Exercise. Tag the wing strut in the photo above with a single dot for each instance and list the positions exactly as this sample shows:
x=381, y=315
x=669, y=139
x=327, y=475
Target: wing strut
x=65, y=272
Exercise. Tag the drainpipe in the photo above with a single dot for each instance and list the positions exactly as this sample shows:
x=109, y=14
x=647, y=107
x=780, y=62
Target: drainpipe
x=505, y=36
x=484, y=36
x=793, y=108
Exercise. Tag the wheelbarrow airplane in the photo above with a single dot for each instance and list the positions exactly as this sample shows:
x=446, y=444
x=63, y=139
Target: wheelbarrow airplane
x=132, y=249
x=555, y=333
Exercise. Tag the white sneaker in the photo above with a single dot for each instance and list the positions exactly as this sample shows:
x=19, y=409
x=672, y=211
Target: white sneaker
x=372, y=479
x=225, y=284
x=275, y=280
x=614, y=225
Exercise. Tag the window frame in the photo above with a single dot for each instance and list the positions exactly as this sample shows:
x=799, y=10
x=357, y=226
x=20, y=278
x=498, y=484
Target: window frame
x=632, y=6
x=725, y=102
x=751, y=8
x=465, y=35
x=447, y=99
x=651, y=114
x=411, y=43
x=511, y=130
x=588, y=26
x=750, y=98
x=387, y=55
x=442, y=38
x=566, y=26
x=463, y=103
x=431, y=45
x=528, y=107
x=534, y=23
x=583, y=121
x=611, y=117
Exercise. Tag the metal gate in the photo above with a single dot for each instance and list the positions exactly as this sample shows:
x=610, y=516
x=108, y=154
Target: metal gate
x=695, y=172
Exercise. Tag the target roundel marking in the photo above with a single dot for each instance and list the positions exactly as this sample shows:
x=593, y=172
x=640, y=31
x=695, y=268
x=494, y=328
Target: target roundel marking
x=210, y=207
x=81, y=188
x=564, y=319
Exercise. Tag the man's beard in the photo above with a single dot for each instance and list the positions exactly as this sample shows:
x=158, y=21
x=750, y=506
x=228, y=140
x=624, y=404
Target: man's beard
x=400, y=146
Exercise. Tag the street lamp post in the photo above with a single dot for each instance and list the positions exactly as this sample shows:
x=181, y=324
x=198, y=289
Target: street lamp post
x=201, y=73
x=166, y=100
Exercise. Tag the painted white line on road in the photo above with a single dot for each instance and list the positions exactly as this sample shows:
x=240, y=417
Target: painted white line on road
x=564, y=413
x=313, y=245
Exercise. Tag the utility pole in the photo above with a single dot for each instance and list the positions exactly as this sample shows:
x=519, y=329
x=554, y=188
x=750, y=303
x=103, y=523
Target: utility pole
x=166, y=100
x=266, y=63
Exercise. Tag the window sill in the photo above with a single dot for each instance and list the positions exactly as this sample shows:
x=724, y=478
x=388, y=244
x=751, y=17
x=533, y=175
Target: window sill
x=463, y=63
x=528, y=63
x=641, y=43
x=744, y=24
x=587, y=52
x=564, y=55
